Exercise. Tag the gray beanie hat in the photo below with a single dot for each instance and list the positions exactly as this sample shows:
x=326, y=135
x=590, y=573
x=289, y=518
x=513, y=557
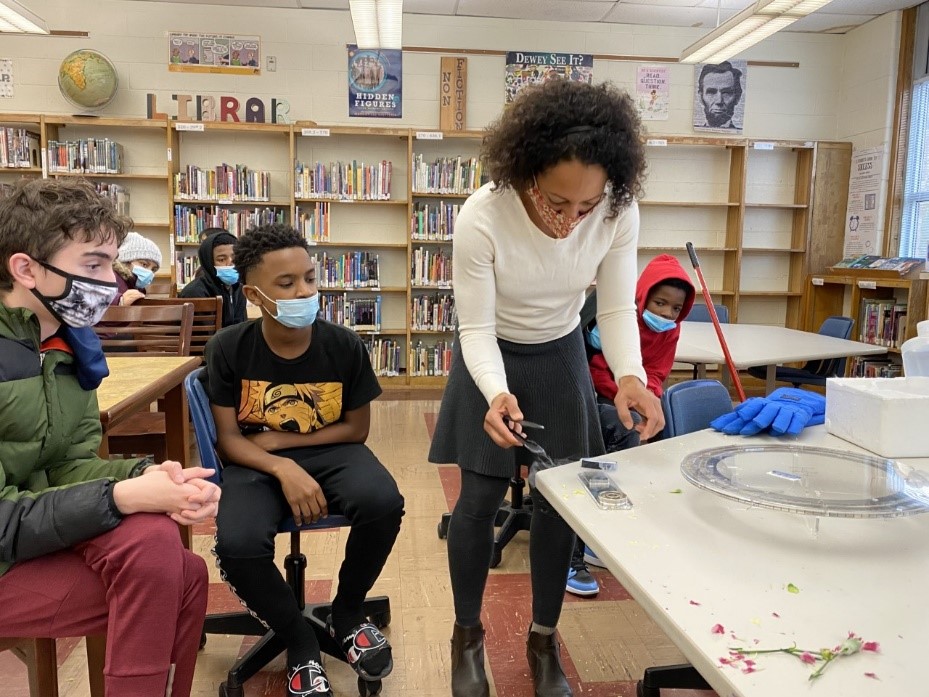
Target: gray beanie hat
x=138, y=247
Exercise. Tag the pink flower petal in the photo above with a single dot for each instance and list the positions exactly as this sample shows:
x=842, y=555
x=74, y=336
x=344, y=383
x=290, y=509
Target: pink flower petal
x=718, y=629
x=749, y=662
x=807, y=657
x=694, y=602
x=871, y=646
x=873, y=676
x=748, y=669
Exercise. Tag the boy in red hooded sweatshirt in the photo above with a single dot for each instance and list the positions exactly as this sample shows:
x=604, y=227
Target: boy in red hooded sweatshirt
x=663, y=297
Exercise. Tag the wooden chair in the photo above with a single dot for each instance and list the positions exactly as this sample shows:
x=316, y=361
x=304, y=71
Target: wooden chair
x=41, y=661
x=152, y=330
x=162, y=288
x=208, y=317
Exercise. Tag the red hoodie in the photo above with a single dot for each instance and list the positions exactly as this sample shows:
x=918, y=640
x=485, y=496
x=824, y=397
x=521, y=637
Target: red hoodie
x=657, y=347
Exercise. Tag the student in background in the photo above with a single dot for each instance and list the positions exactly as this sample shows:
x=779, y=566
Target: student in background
x=218, y=276
x=86, y=546
x=663, y=298
x=567, y=161
x=138, y=261
x=291, y=395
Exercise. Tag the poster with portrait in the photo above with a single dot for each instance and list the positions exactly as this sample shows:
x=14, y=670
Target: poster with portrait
x=228, y=54
x=375, y=82
x=652, y=92
x=862, y=214
x=719, y=96
x=527, y=68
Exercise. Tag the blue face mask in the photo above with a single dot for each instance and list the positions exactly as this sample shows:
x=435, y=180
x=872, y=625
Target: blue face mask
x=227, y=274
x=657, y=323
x=143, y=276
x=297, y=313
x=593, y=338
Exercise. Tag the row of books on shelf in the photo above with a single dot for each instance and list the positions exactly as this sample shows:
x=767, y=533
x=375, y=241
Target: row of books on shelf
x=190, y=221
x=882, y=322
x=313, y=222
x=431, y=268
x=447, y=175
x=433, y=221
x=870, y=367
x=361, y=314
x=223, y=182
x=185, y=268
x=385, y=356
x=117, y=193
x=429, y=360
x=346, y=181
x=85, y=156
x=434, y=312
x=871, y=262
x=19, y=147
x=348, y=270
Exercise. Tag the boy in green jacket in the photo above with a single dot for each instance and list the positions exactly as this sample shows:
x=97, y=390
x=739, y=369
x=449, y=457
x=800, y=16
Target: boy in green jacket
x=86, y=546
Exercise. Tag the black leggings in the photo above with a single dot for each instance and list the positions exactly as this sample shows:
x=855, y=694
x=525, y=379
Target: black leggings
x=471, y=543
x=252, y=506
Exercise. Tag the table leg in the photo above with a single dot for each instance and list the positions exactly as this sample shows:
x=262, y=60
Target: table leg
x=701, y=371
x=770, y=374
x=177, y=437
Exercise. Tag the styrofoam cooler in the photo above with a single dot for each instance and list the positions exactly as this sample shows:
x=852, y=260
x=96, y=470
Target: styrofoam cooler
x=888, y=416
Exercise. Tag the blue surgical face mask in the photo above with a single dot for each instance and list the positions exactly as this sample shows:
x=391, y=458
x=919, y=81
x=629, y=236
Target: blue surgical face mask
x=297, y=313
x=144, y=277
x=593, y=338
x=227, y=274
x=657, y=323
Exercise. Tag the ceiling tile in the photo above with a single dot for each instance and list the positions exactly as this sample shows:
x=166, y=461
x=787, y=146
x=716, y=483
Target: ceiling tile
x=666, y=16
x=323, y=4
x=428, y=7
x=544, y=10
x=828, y=23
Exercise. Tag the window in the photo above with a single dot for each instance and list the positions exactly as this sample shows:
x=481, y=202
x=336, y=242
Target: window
x=914, y=227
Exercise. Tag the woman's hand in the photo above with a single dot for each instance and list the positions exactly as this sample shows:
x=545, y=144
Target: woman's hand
x=130, y=296
x=633, y=394
x=504, y=404
x=303, y=493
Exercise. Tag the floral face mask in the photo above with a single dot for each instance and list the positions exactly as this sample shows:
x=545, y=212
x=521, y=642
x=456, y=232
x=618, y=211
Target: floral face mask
x=556, y=221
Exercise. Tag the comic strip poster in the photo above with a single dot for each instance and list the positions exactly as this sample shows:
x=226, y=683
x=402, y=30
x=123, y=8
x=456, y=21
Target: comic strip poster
x=719, y=96
x=214, y=53
x=652, y=92
x=527, y=68
x=375, y=79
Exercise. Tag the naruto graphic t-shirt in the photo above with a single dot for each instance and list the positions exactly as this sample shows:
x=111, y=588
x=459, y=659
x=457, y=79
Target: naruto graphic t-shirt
x=300, y=395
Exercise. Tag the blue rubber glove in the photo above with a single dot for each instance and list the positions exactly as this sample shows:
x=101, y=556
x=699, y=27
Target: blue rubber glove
x=740, y=418
x=789, y=410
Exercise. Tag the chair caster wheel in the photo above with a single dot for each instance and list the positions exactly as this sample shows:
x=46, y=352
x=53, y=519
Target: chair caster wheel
x=372, y=687
x=442, y=530
x=496, y=558
x=231, y=691
x=202, y=641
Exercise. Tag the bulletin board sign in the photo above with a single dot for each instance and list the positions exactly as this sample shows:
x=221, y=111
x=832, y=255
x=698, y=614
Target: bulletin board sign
x=229, y=54
x=375, y=82
x=532, y=68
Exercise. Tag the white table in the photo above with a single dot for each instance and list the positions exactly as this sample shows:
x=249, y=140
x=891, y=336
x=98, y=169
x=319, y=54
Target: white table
x=762, y=345
x=866, y=576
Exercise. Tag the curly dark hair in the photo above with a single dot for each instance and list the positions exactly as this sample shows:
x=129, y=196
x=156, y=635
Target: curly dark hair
x=40, y=216
x=254, y=244
x=561, y=120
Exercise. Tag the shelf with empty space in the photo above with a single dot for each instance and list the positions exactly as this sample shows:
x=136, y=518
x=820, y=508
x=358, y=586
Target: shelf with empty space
x=682, y=248
x=771, y=293
x=769, y=250
x=795, y=206
x=690, y=204
x=20, y=170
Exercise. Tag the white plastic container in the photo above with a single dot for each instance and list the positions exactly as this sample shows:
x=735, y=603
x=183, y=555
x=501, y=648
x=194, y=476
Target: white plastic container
x=888, y=416
x=916, y=352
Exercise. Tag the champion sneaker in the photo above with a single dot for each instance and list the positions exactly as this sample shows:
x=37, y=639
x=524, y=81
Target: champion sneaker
x=591, y=558
x=366, y=650
x=581, y=583
x=308, y=680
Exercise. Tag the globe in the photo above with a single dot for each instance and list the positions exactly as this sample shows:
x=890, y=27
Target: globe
x=88, y=79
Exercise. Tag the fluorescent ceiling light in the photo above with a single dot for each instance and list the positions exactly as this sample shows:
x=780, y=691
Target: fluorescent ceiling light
x=16, y=19
x=378, y=23
x=757, y=22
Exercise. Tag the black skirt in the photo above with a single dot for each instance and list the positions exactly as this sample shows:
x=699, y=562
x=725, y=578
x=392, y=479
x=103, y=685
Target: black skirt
x=552, y=384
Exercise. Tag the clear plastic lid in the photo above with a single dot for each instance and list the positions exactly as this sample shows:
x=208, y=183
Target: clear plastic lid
x=812, y=481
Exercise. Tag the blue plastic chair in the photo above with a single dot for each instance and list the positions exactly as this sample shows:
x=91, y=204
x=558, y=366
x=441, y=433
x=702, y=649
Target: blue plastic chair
x=814, y=372
x=691, y=406
x=243, y=623
x=700, y=313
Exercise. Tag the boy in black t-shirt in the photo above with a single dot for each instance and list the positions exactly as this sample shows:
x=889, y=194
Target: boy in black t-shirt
x=291, y=397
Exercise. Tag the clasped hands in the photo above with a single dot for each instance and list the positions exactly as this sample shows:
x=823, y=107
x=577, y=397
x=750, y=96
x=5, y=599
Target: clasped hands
x=184, y=494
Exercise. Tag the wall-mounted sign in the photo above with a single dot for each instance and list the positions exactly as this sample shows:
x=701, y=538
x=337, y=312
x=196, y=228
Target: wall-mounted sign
x=453, y=93
x=375, y=80
x=199, y=107
x=529, y=68
x=214, y=53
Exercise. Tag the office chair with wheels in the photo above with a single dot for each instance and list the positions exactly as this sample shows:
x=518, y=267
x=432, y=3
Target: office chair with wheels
x=814, y=372
x=269, y=646
x=688, y=407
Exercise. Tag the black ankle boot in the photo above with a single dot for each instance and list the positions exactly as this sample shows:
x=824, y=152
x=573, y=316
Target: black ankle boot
x=468, y=676
x=545, y=666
